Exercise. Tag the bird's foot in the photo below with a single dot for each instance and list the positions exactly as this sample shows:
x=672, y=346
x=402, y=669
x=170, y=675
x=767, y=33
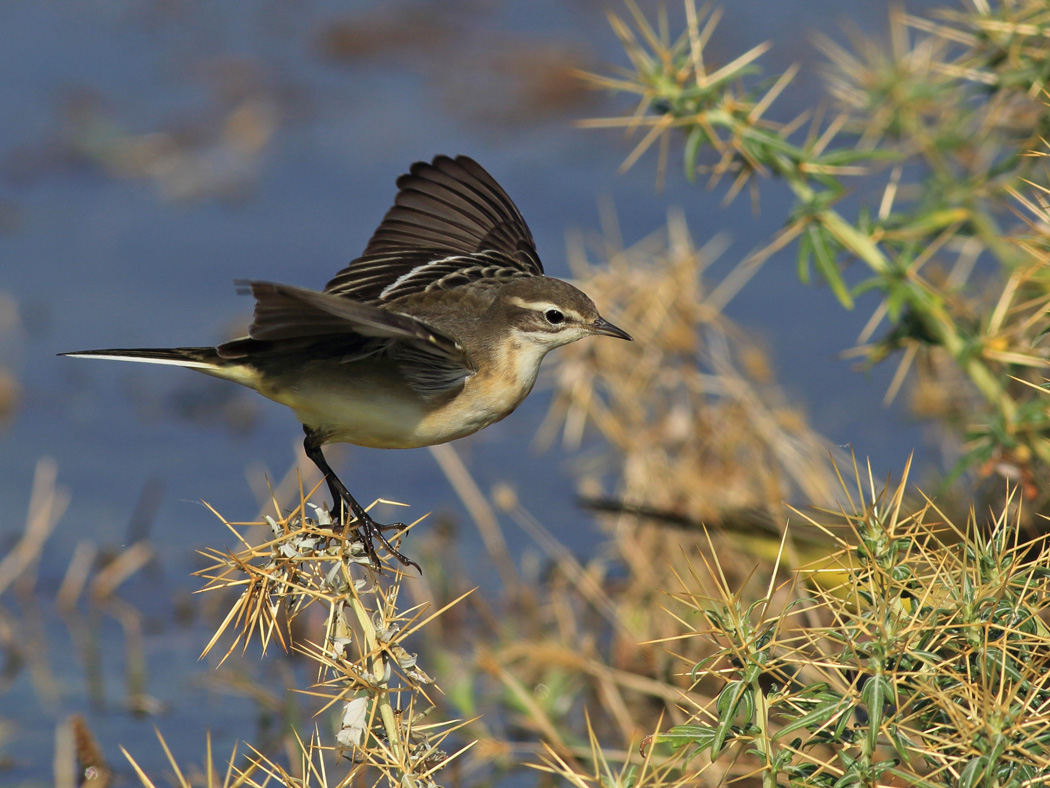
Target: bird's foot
x=370, y=532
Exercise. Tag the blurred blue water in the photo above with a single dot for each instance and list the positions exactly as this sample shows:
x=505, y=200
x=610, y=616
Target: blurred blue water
x=98, y=260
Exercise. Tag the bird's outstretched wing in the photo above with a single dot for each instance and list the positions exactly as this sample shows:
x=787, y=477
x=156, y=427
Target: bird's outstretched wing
x=450, y=224
x=292, y=319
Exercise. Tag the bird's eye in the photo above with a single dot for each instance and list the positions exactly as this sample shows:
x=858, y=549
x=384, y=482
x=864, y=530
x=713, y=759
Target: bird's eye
x=554, y=317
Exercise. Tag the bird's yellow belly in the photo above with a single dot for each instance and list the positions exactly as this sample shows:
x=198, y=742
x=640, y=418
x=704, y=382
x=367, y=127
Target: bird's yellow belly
x=393, y=416
x=371, y=404
x=394, y=424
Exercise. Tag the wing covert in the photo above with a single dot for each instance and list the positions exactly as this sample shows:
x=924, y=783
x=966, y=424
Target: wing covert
x=291, y=318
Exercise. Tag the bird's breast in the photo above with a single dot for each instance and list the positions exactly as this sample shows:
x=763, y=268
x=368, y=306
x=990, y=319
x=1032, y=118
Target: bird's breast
x=370, y=405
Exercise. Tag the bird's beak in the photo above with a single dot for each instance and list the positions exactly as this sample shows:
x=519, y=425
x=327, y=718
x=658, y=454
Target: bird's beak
x=605, y=328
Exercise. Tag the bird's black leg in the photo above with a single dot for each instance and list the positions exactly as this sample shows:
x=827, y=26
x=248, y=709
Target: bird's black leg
x=368, y=527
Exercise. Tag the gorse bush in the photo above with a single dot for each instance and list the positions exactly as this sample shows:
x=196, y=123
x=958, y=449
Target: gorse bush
x=923, y=664
x=953, y=120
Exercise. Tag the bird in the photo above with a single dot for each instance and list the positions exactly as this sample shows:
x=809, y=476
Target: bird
x=436, y=331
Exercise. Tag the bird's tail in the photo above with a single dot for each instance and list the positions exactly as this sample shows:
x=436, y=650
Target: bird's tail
x=205, y=359
x=202, y=359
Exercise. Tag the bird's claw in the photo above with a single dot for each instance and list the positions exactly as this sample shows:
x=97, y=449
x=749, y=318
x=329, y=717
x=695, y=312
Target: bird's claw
x=371, y=531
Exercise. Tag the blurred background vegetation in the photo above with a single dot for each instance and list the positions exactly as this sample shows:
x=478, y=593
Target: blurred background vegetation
x=760, y=606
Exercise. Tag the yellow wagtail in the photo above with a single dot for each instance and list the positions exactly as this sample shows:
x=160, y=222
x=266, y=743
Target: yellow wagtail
x=436, y=331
